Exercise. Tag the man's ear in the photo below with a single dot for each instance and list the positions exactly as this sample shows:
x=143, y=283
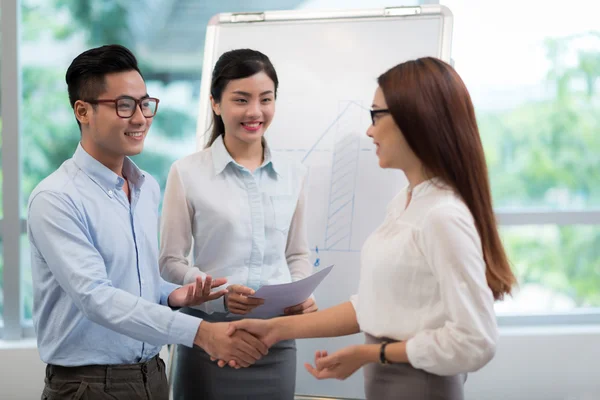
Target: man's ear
x=215, y=106
x=82, y=112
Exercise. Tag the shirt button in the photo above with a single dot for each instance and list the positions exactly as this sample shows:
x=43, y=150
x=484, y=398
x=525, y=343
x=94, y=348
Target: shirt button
x=110, y=193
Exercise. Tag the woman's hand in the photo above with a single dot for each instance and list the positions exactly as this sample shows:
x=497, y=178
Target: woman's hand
x=307, y=306
x=339, y=365
x=238, y=301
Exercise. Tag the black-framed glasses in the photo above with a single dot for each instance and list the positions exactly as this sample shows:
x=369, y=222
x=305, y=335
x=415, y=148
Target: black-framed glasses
x=125, y=106
x=379, y=111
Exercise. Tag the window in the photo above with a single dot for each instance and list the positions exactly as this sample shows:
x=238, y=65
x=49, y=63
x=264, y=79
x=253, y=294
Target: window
x=536, y=94
x=535, y=88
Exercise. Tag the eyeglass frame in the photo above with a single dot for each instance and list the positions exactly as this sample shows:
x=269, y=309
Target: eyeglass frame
x=378, y=111
x=138, y=103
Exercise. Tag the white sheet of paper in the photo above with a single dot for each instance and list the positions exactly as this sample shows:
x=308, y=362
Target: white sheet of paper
x=279, y=297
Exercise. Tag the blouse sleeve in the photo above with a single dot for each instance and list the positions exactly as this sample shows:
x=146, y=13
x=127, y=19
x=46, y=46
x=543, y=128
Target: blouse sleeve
x=176, y=233
x=467, y=341
x=297, y=251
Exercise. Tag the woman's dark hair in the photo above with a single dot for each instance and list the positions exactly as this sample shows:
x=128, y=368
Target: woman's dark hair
x=236, y=64
x=433, y=109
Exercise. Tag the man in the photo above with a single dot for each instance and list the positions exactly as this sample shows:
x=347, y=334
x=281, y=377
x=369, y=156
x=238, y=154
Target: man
x=101, y=310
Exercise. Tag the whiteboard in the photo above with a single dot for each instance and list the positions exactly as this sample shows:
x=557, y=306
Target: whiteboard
x=327, y=63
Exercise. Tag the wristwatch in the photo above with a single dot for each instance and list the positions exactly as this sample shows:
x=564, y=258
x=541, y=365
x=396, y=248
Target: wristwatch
x=382, y=358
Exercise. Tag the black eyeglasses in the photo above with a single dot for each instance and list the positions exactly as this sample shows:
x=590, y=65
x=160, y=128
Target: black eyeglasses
x=375, y=112
x=125, y=106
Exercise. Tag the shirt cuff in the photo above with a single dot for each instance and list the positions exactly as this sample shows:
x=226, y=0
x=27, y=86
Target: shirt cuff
x=183, y=329
x=166, y=289
x=416, y=354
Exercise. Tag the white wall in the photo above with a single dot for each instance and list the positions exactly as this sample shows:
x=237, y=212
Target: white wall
x=541, y=364
x=530, y=364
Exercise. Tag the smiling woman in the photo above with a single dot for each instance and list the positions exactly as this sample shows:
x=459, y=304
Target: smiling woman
x=243, y=92
x=244, y=207
x=246, y=108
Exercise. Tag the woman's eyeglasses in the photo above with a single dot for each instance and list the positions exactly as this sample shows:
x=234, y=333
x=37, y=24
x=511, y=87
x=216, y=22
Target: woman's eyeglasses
x=379, y=111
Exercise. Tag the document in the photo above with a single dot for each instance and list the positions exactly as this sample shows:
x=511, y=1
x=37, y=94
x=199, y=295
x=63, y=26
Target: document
x=279, y=297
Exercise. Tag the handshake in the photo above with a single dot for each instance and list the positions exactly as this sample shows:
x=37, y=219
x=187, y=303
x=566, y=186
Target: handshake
x=241, y=343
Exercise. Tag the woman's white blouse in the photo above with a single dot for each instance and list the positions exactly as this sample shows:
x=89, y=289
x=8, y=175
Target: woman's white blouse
x=249, y=227
x=423, y=281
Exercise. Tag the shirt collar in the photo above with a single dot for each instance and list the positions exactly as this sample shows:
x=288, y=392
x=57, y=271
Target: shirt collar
x=271, y=160
x=427, y=186
x=103, y=176
x=221, y=157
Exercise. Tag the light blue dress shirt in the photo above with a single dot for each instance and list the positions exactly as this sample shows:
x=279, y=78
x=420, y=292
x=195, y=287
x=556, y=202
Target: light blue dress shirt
x=247, y=226
x=98, y=294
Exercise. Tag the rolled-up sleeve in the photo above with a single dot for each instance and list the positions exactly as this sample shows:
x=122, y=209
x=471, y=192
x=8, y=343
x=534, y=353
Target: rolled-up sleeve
x=176, y=233
x=59, y=232
x=467, y=341
x=297, y=251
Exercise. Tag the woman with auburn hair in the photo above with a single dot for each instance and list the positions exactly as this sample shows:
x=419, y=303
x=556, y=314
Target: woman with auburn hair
x=431, y=272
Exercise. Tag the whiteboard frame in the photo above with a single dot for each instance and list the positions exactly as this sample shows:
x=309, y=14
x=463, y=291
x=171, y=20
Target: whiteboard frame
x=212, y=34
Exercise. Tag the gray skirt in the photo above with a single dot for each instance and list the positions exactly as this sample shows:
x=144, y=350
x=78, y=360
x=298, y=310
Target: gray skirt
x=403, y=382
x=197, y=377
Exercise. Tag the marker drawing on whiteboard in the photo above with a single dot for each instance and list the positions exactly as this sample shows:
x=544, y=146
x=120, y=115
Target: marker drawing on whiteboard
x=318, y=260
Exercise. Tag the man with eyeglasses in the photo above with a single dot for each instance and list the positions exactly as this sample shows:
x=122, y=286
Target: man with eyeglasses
x=101, y=310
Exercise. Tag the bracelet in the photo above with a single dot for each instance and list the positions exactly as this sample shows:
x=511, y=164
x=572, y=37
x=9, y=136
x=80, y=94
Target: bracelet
x=382, y=358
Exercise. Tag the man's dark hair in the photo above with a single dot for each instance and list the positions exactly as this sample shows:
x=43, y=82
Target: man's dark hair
x=86, y=74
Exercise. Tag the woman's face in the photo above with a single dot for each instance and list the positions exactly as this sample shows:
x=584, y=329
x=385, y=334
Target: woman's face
x=247, y=107
x=392, y=149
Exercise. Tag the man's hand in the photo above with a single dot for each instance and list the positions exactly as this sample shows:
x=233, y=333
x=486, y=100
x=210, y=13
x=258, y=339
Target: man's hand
x=307, y=306
x=218, y=340
x=196, y=293
x=267, y=331
x=238, y=302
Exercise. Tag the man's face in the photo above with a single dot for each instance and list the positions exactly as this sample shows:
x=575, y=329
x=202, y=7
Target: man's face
x=107, y=136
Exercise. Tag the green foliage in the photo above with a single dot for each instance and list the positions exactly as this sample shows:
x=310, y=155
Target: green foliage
x=49, y=130
x=103, y=22
x=546, y=154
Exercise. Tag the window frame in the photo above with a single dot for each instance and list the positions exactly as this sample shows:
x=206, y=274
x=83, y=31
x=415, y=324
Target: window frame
x=11, y=225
